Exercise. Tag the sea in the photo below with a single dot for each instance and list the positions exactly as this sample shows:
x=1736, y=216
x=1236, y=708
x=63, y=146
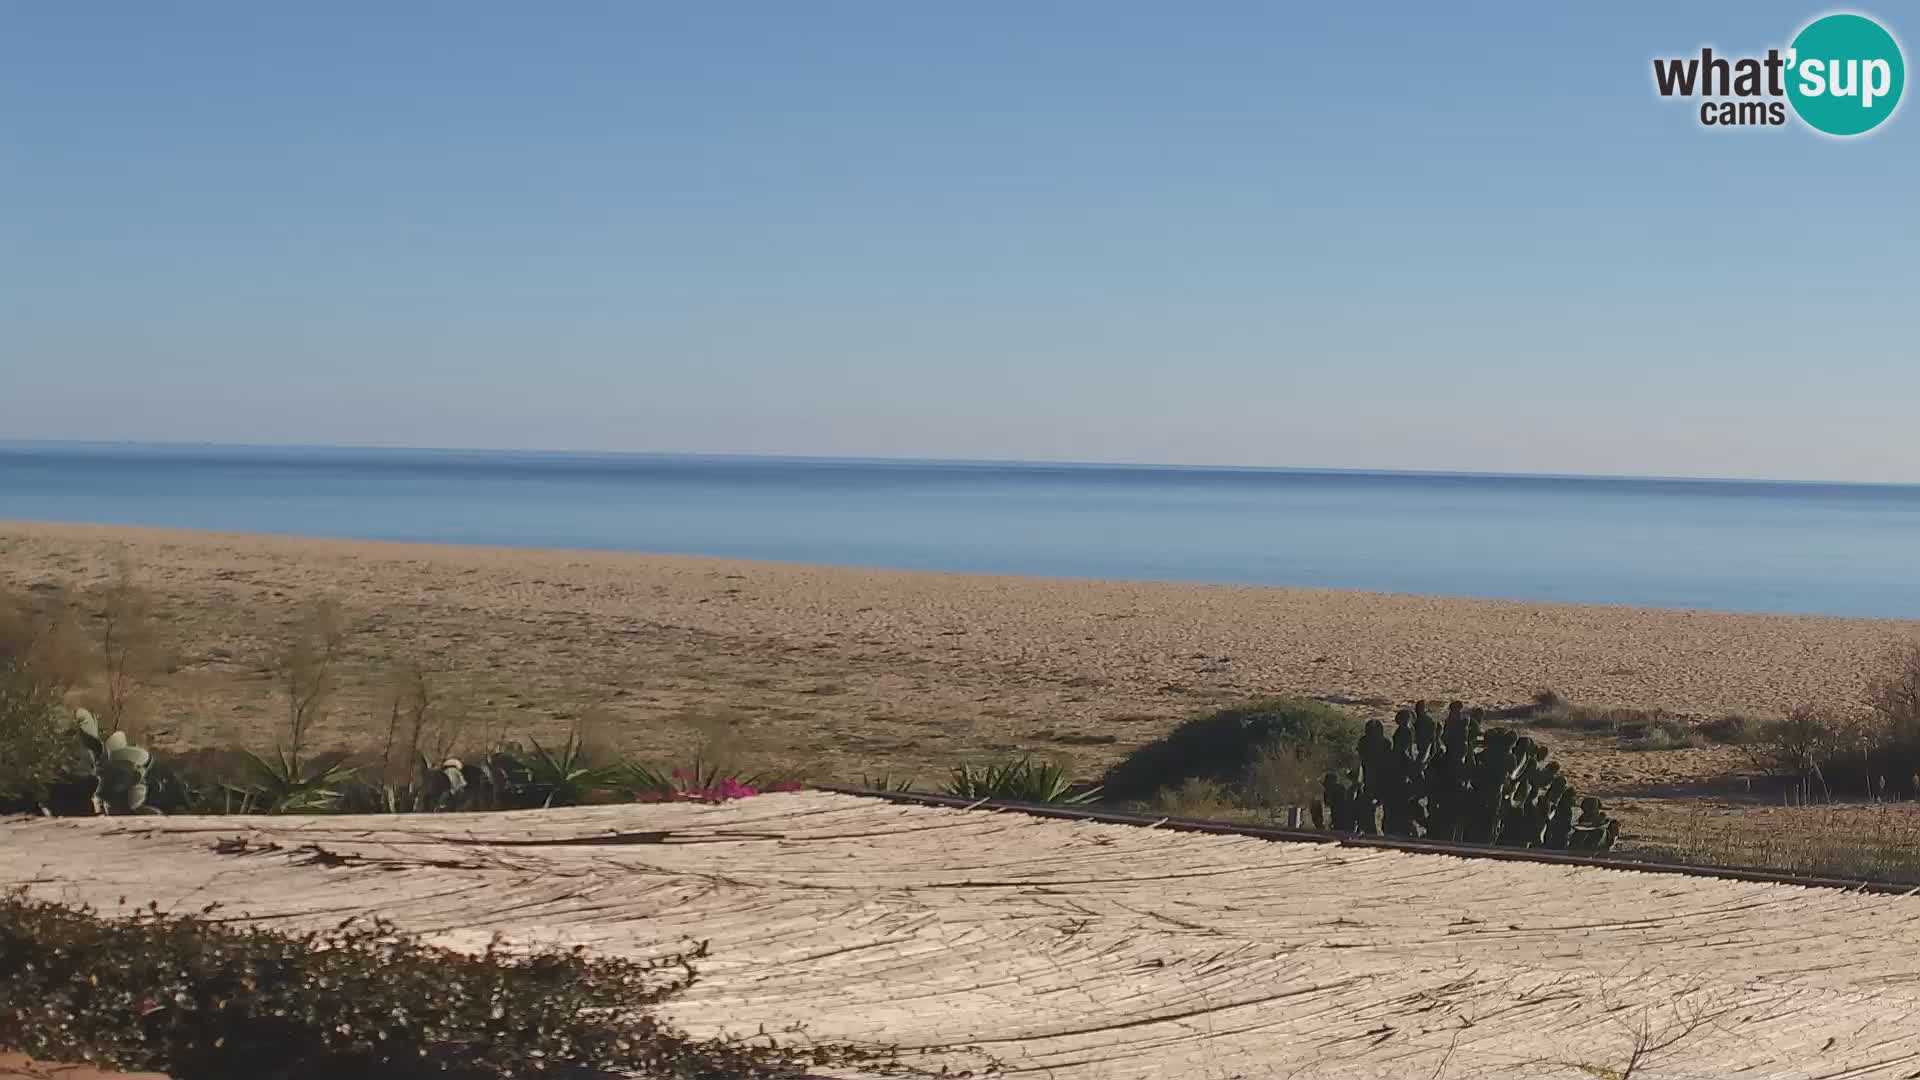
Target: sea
x=1731, y=545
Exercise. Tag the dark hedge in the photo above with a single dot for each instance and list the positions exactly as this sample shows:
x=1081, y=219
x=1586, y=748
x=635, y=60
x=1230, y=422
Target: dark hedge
x=201, y=999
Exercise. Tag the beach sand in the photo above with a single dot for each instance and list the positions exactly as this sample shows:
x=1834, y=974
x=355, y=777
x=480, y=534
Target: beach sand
x=849, y=671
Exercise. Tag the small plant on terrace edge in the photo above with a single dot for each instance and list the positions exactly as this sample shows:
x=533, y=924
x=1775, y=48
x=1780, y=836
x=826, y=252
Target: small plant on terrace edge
x=703, y=781
x=1023, y=780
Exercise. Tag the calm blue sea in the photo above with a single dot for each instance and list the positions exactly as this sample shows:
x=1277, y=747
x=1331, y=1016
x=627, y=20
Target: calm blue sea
x=1841, y=549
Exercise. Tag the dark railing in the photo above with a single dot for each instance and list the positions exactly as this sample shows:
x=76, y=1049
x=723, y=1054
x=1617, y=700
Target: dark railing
x=1426, y=847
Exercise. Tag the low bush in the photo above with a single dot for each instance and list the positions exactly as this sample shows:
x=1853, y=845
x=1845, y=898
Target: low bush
x=1800, y=745
x=38, y=666
x=202, y=999
x=1894, y=697
x=1662, y=732
x=1639, y=729
x=1196, y=798
x=1267, y=752
x=36, y=749
x=1732, y=729
x=1885, y=757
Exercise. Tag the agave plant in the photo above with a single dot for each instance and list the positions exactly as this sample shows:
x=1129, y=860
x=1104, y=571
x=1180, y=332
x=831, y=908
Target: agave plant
x=710, y=782
x=704, y=781
x=285, y=784
x=1024, y=780
x=527, y=777
x=639, y=782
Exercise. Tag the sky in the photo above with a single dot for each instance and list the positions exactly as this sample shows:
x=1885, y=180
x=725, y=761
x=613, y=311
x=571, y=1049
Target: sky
x=1412, y=236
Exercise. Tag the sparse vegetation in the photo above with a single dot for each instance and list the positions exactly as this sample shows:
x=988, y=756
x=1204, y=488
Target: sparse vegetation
x=1637, y=729
x=99, y=647
x=125, y=645
x=1732, y=729
x=1891, y=736
x=206, y=999
x=1195, y=797
x=887, y=782
x=1862, y=841
x=39, y=665
x=1663, y=733
x=73, y=761
x=1795, y=746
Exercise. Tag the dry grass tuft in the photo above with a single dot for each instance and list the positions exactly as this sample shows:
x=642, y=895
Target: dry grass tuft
x=1866, y=841
x=1637, y=729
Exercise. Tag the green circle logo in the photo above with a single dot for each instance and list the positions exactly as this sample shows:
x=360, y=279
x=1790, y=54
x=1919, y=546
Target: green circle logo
x=1845, y=74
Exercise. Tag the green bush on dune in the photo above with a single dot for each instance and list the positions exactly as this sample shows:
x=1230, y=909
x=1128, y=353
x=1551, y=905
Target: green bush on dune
x=1268, y=752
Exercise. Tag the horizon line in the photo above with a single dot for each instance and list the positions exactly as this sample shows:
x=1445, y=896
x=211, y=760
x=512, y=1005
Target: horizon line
x=849, y=459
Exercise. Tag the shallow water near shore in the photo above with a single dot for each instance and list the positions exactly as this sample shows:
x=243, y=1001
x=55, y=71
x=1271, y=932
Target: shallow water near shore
x=1833, y=549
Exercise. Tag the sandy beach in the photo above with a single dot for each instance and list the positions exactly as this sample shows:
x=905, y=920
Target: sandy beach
x=844, y=671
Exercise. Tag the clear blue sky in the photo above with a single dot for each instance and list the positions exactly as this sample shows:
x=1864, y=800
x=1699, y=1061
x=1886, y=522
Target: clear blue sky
x=1328, y=235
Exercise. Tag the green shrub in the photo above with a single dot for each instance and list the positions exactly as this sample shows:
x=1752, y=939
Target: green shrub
x=1267, y=752
x=37, y=748
x=201, y=999
x=1024, y=780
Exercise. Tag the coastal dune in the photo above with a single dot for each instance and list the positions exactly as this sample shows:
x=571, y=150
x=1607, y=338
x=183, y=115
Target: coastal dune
x=853, y=670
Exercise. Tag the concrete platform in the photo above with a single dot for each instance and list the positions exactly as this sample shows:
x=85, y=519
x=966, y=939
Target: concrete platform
x=1080, y=950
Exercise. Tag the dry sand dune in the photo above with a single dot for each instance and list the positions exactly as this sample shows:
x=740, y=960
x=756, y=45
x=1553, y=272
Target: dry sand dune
x=861, y=670
x=1086, y=951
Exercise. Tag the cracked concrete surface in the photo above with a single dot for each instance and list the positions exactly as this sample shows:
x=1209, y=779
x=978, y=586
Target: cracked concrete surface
x=1082, y=950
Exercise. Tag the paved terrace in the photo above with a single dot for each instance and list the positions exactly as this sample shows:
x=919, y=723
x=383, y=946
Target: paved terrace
x=1077, y=950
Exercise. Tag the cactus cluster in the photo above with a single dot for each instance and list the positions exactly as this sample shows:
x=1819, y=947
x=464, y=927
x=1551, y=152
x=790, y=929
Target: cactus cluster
x=118, y=782
x=1460, y=780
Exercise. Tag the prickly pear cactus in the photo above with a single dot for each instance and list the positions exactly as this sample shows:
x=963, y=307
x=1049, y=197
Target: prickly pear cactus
x=1461, y=780
x=119, y=768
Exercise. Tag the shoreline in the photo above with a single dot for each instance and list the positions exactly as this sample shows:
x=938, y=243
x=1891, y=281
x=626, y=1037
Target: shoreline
x=8, y=525
x=855, y=670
